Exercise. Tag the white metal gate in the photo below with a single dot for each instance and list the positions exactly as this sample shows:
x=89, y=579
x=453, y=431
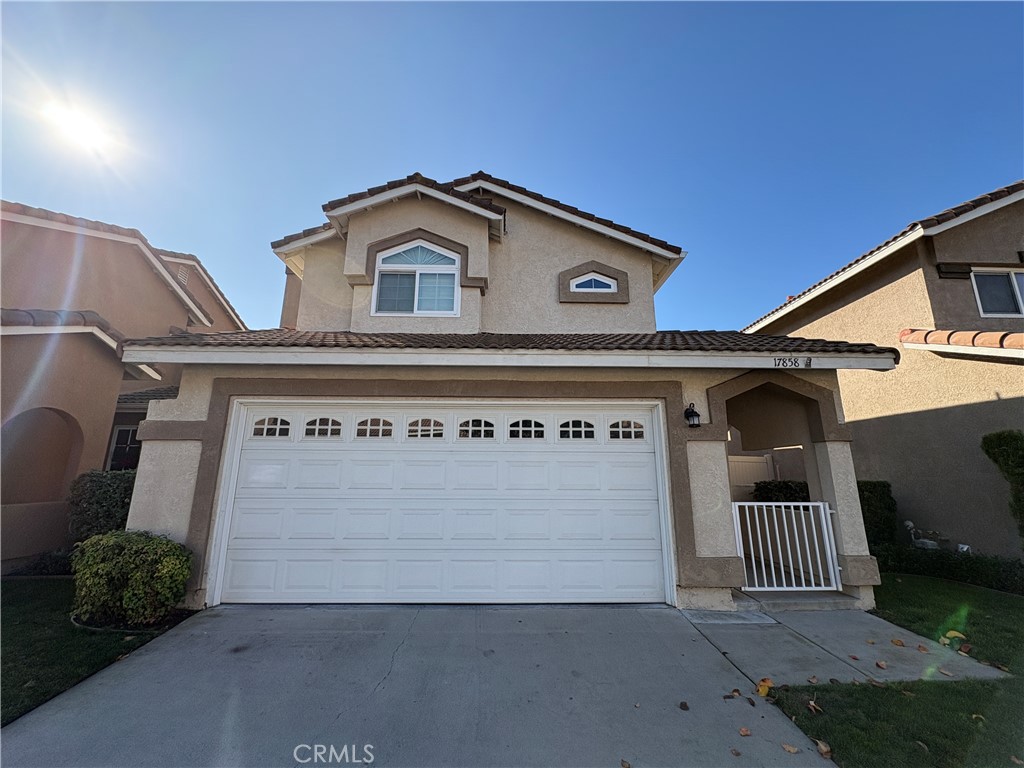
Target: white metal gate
x=787, y=546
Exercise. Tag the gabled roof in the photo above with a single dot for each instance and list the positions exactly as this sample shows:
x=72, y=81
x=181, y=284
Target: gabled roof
x=473, y=180
x=19, y=211
x=207, y=278
x=460, y=189
x=667, y=341
x=949, y=217
x=143, y=396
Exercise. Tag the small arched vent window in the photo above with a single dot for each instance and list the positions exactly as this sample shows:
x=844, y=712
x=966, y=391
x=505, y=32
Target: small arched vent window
x=526, y=429
x=374, y=427
x=323, y=427
x=476, y=428
x=576, y=429
x=626, y=430
x=431, y=428
x=271, y=426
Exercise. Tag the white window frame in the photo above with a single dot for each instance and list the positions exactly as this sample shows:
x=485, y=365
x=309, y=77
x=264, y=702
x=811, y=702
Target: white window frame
x=432, y=269
x=113, y=440
x=1013, y=284
x=575, y=283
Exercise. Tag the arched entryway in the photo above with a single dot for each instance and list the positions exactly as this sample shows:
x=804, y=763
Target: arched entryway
x=40, y=448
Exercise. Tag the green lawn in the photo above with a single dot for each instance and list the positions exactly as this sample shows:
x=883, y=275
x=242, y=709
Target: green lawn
x=929, y=723
x=41, y=652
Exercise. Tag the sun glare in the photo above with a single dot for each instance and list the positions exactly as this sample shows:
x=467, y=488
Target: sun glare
x=79, y=127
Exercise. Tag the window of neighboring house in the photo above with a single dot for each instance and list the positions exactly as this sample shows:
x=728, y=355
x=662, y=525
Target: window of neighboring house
x=593, y=283
x=1000, y=293
x=124, y=449
x=416, y=279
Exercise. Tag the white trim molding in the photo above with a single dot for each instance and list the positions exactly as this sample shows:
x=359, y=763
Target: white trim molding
x=99, y=333
x=212, y=287
x=140, y=353
x=158, y=266
x=995, y=205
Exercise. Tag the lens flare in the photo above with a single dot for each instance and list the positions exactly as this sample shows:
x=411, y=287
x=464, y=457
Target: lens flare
x=79, y=128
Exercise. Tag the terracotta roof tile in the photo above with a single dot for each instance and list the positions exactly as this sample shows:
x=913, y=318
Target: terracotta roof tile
x=142, y=396
x=415, y=178
x=979, y=339
x=674, y=341
x=44, y=318
x=483, y=176
x=299, y=235
x=925, y=223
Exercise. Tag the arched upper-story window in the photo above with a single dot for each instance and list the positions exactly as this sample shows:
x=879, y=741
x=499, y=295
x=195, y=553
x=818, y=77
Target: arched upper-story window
x=417, y=278
x=593, y=282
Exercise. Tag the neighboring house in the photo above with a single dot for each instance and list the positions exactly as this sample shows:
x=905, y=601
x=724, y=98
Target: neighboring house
x=72, y=291
x=950, y=289
x=468, y=402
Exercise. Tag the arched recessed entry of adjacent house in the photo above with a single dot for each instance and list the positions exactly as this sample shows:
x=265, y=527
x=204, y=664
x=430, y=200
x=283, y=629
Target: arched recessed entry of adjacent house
x=40, y=451
x=783, y=421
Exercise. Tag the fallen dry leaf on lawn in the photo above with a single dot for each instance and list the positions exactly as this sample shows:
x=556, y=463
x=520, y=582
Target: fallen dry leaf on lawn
x=744, y=731
x=129, y=637
x=922, y=745
x=953, y=633
x=977, y=717
x=735, y=752
x=908, y=694
x=923, y=649
x=876, y=683
x=684, y=706
x=855, y=658
x=965, y=647
x=897, y=642
x=813, y=679
x=790, y=748
x=964, y=654
x=823, y=748
x=1002, y=667
x=764, y=685
x=1016, y=760
x=881, y=664
x=946, y=673
x=944, y=640
x=815, y=709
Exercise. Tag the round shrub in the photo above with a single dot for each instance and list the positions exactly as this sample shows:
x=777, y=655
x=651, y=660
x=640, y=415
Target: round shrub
x=99, y=502
x=129, y=578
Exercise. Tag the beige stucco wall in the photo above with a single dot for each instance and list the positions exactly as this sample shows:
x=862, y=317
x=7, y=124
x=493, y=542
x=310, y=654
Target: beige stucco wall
x=523, y=295
x=920, y=426
x=522, y=271
x=290, y=306
x=162, y=499
x=710, y=492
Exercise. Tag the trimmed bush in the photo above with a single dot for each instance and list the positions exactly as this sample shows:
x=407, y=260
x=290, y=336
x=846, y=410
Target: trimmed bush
x=129, y=578
x=1002, y=573
x=99, y=502
x=781, y=490
x=1006, y=449
x=881, y=523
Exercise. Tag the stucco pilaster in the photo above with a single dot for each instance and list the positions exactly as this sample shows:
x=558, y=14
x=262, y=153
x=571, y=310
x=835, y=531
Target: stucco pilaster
x=164, y=488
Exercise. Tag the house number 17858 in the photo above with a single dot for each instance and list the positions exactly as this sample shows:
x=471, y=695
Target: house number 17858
x=792, y=362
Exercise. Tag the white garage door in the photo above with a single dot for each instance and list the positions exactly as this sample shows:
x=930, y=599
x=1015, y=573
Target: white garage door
x=405, y=503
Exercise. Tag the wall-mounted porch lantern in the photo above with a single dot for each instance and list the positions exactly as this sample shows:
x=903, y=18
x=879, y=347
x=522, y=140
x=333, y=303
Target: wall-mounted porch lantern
x=692, y=417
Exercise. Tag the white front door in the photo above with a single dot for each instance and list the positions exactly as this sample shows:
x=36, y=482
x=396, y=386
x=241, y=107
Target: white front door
x=394, y=502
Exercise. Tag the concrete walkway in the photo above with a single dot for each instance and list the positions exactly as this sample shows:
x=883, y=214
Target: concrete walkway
x=792, y=646
x=441, y=686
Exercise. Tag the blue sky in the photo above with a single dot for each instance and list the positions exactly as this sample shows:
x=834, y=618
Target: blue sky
x=773, y=142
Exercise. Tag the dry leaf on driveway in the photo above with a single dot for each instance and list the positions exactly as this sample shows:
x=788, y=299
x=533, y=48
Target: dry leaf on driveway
x=945, y=672
x=823, y=748
x=897, y=642
x=764, y=685
x=923, y=649
x=790, y=748
x=684, y=706
x=813, y=680
x=744, y=731
x=855, y=658
x=735, y=752
x=881, y=664
x=625, y=764
x=871, y=642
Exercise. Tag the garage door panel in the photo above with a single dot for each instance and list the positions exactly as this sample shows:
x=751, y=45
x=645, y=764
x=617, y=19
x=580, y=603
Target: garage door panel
x=439, y=577
x=336, y=518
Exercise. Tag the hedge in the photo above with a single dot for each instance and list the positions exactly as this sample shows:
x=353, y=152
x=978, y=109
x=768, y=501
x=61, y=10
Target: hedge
x=1002, y=573
x=99, y=502
x=781, y=490
x=129, y=578
x=1006, y=449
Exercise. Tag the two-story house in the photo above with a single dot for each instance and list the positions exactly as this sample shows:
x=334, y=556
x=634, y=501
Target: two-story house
x=72, y=290
x=950, y=289
x=468, y=401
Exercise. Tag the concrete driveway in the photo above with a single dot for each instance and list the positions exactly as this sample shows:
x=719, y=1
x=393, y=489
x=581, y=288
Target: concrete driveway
x=432, y=686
